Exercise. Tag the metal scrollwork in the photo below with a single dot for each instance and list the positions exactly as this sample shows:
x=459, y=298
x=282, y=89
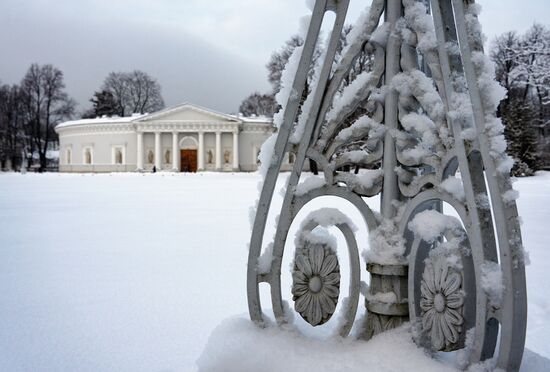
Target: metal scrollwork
x=402, y=130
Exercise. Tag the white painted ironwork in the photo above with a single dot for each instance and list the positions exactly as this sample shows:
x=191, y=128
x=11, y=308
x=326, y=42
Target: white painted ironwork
x=429, y=138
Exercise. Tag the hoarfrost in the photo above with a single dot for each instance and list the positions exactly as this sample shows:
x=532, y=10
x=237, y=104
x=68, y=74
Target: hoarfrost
x=510, y=196
x=421, y=124
x=327, y=217
x=286, y=92
x=350, y=92
x=454, y=186
x=430, y=225
x=416, y=83
x=287, y=79
x=366, y=179
x=387, y=247
x=361, y=127
x=492, y=283
x=492, y=91
x=418, y=19
x=265, y=260
x=316, y=236
x=469, y=134
x=463, y=355
x=355, y=156
x=307, y=106
x=266, y=155
x=482, y=201
x=358, y=30
x=505, y=165
x=310, y=183
x=381, y=34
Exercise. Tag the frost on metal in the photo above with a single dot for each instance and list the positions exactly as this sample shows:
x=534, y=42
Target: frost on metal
x=418, y=128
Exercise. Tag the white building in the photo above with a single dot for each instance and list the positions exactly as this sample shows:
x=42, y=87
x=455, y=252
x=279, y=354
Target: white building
x=185, y=138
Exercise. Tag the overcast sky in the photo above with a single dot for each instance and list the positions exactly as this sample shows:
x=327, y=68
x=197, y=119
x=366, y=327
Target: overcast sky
x=208, y=52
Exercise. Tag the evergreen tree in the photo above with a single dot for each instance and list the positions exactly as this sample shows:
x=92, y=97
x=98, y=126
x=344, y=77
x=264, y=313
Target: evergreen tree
x=520, y=131
x=103, y=104
x=259, y=105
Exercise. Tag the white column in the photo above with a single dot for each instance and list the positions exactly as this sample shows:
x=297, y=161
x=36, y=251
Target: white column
x=218, y=150
x=200, y=154
x=140, y=151
x=236, y=150
x=158, y=155
x=175, y=165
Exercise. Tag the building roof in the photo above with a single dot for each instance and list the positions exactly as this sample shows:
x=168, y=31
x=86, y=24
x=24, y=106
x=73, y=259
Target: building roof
x=161, y=113
x=102, y=120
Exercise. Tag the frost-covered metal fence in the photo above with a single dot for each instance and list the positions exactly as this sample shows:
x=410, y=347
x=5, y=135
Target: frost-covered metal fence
x=428, y=141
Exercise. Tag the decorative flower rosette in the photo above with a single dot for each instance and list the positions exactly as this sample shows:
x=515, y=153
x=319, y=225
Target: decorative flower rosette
x=441, y=303
x=315, y=282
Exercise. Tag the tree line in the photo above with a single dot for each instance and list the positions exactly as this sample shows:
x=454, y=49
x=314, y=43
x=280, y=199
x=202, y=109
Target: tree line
x=30, y=110
x=522, y=66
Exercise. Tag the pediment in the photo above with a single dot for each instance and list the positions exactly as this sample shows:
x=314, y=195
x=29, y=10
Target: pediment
x=189, y=112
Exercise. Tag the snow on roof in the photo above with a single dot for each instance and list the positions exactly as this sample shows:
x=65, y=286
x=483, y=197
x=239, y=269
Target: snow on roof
x=102, y=120
x=255, y=119
x=145, y=117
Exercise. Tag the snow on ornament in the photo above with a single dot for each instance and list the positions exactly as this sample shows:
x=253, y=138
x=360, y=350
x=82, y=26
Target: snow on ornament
x=444, y=249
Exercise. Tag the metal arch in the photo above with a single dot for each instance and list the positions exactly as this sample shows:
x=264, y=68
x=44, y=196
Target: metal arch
x=291, y=207
x=513, y=324
x=354, y=280
x=291, y=110
x=417, y=256
x=424, y=201
x=416, y=205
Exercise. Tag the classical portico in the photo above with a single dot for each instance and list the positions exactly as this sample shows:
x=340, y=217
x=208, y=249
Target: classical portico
x=199, y=140
x=185, y=138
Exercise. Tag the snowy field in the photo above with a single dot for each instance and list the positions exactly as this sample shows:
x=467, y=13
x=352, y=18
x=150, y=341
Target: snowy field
x=133, y=272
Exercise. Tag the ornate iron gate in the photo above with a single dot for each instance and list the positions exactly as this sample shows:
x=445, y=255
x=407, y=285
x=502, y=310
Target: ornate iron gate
x=429, y=113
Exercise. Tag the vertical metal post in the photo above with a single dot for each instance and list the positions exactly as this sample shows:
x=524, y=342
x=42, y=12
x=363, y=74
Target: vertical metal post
x=389, y=278
x=390, y=192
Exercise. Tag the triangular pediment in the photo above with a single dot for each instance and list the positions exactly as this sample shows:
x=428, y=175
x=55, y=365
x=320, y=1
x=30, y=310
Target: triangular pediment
x=188, y=112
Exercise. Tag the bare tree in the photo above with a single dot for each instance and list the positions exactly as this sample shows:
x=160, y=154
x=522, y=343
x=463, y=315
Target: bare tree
x=133, y=92
x=46, y=103
x=279, y=60
x=11, y=126
x=362, y=63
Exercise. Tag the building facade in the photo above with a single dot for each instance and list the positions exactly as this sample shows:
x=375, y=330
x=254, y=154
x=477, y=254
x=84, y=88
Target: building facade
x=185, y=138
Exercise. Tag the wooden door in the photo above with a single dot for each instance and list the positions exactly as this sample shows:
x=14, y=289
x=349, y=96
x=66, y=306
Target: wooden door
x=188, y=161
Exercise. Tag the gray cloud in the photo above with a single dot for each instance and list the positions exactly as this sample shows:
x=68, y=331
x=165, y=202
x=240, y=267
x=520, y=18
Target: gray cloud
x=208, y=52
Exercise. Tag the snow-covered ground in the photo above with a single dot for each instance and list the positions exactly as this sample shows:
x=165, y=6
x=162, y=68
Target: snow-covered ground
x=133, y=272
